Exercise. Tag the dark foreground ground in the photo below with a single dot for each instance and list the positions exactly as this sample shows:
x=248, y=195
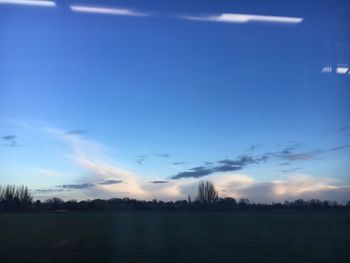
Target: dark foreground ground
x=175, y=237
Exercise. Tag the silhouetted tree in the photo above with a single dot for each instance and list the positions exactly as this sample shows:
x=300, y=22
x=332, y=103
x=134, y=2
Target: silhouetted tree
x=227, y=203
x=54, y=204
x=207, y=193
x=189, y=199
x=15, y=198
x=243, y=203
x=25, y=199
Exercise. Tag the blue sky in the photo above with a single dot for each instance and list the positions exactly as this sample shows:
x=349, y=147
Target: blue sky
x=122, y=98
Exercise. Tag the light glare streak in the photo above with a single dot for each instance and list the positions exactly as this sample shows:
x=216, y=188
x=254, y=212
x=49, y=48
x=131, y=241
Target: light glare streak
x=245, y=18
x=342, y=69
x=105, y=11
x=44, y=3
x=327, y=69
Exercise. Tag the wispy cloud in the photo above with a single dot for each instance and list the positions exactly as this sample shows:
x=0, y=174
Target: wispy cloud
x=284, y=163
x=178, y=163
x=141, y=159
x=77, y=131
x=76, y=186
x=227, y=168
x=9, y=137
x=228, y=185
x=289, y=155
x=243, y=160
x=341, y=147
x=164, y=155
x=92, y=157
x=290, y=188
x=109, y=182
x=226, y=165
x=43, y=3
x=105, y=10
x=10, y=140
x=196, y=172
x=252, y=148
x=297, y=186
x=50, y=190
x=159, y=181
x=293, y=153
x=120, y=182
x=245, y=18
x=292, y=170
x=343, y=129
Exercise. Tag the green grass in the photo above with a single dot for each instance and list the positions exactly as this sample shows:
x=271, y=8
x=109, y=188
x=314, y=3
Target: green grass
x=175, y=237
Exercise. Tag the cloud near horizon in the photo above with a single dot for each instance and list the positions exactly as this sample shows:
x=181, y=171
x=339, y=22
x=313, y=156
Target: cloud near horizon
x=228, y=185
x=48, y=190
x=109, y=182
x=76, y=186
x=288, y=155
x=226, y=165
x=111, y=179
x=293, y=187
x=159, y=181
x=106, y=179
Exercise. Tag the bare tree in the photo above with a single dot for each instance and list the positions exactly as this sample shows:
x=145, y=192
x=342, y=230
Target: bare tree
x=24, y=197
x=207, y=193
x=15, y=198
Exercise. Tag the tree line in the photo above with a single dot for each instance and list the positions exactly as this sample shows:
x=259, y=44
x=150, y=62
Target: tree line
x=15, y=198
x=19, y=199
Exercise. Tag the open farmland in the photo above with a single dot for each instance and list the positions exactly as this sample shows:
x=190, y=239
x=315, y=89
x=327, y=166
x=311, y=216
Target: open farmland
x=153, y=236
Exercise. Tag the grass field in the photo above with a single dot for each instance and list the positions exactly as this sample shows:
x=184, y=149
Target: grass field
x=175, y=237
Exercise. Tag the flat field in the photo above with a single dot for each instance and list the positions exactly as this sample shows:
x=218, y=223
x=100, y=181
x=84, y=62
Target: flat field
x=153, y=236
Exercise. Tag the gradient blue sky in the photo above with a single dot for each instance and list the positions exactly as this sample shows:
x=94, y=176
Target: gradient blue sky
x=102, y=105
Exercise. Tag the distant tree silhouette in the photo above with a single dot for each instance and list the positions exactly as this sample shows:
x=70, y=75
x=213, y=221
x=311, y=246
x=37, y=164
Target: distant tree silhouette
x=207, y=193
x=25, y=198
x=54, y=204
x=15, y=198
x=227, y=203
x=243, y=203
x=19, y=199
x=189, y=199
